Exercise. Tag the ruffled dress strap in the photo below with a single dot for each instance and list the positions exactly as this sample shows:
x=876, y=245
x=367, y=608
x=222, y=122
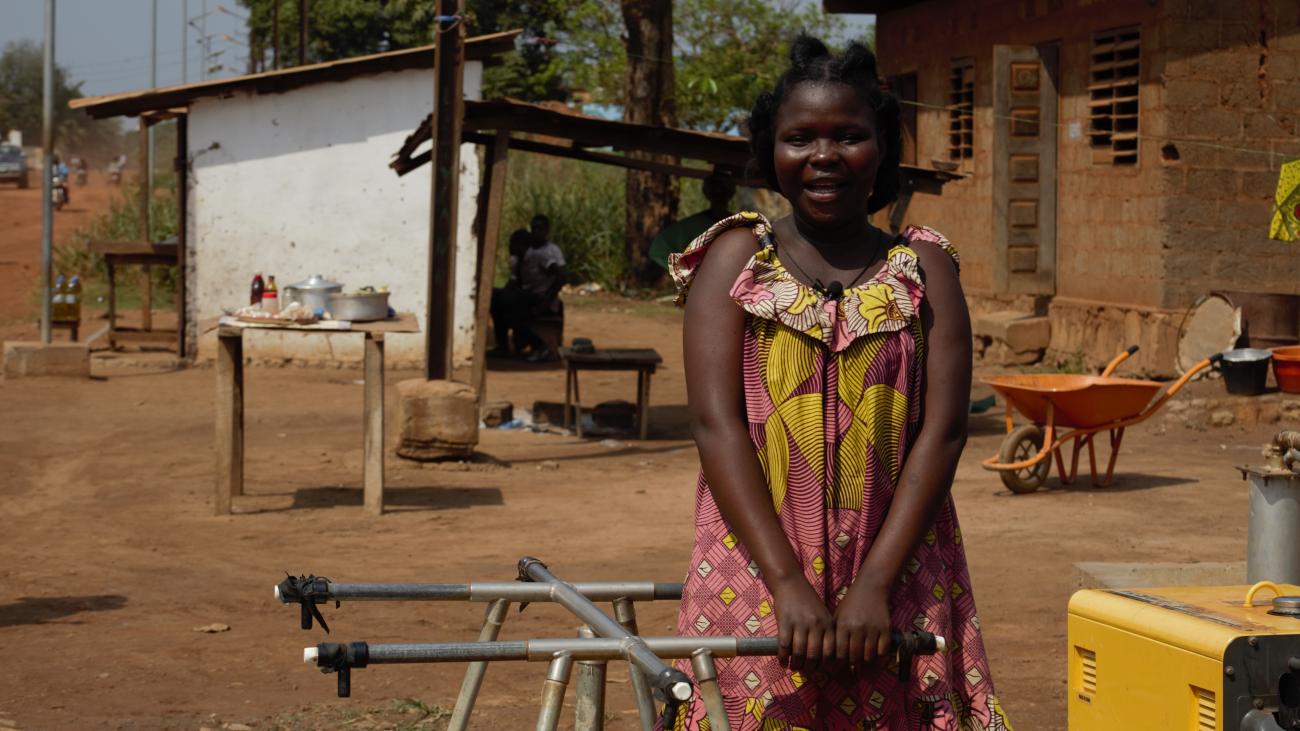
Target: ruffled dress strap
x=887, y=302
x=684, y=266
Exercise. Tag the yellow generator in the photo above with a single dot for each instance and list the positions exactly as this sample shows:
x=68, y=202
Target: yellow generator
x=1185, y=659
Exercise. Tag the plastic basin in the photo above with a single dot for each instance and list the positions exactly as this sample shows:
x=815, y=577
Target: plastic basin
x=1286, y=368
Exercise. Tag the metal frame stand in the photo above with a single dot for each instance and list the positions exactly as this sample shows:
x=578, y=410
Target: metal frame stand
x=602, y=638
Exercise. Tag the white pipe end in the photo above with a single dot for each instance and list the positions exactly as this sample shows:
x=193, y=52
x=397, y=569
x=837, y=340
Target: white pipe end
x=278, y=597
x=310, y=655
x=682, y=691
x=941, y=645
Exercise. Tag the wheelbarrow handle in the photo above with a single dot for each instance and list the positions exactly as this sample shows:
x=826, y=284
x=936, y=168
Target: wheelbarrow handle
x=1123, y=356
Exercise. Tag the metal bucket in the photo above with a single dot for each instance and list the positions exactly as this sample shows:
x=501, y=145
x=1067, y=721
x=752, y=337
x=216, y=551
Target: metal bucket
x=1245, y=371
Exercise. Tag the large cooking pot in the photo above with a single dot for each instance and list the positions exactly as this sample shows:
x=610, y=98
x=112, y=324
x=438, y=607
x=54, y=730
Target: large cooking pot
x=360, y=307
x=312, y=293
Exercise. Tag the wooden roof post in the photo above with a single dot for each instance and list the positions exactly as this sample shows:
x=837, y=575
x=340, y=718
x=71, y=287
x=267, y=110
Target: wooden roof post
x=448, y=118
x=145, y=193
x=491, y=199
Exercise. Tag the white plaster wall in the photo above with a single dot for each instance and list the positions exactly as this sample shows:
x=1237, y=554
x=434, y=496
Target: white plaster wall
x=298, y=183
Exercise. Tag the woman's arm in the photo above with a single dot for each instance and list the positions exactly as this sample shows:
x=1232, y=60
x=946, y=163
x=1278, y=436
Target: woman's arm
x=713, y=340
x=862, y=623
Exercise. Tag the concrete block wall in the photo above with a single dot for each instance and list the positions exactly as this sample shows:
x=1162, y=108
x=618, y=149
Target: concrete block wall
x=1232, y=91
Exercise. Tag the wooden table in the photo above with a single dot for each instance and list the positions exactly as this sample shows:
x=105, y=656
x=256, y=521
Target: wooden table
x=230, y=406
x=641, y=360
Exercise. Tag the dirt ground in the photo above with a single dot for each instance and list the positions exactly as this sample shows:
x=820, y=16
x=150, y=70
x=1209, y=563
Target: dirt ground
x=110, y=556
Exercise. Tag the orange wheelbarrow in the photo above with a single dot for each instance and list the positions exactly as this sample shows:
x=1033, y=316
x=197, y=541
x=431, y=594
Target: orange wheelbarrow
x=1081, y=407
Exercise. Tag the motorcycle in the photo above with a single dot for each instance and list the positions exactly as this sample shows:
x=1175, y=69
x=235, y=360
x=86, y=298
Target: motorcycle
x=58, y=192
x=115, y=175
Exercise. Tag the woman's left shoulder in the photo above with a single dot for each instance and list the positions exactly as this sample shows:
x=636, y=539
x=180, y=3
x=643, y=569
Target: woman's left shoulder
x=931, y=247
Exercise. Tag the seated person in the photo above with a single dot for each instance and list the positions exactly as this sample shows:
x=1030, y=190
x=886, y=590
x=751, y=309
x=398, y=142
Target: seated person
x=718, y=190
x=541, y=275
x=507, y=300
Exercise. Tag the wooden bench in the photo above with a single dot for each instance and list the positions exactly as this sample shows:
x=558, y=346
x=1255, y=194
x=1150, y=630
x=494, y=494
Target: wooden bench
x=139, y=253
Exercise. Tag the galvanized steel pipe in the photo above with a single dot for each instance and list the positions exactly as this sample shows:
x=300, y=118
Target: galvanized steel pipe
x=487, y=591
x=669, y=682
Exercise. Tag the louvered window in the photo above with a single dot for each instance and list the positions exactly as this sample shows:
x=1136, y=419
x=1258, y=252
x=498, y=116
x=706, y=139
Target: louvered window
x=1113, y=96
x=961, y=111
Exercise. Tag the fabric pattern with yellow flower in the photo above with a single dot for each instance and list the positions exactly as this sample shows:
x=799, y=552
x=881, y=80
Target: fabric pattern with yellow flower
x=887, y=302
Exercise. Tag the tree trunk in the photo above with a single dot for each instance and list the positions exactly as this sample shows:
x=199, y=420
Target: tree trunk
x=648, y=99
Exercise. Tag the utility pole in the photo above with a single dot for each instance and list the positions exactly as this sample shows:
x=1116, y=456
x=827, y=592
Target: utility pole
x=302, y=32
x=275, y=34
x=47, y=170
x=185, y=41
x=153, y=84
x=207, y=42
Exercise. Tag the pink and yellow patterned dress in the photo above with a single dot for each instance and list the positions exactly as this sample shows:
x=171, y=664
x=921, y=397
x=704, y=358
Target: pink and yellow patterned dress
x=833, y=401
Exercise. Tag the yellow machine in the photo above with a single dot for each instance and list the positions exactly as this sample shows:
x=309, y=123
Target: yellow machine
x=1185, y=659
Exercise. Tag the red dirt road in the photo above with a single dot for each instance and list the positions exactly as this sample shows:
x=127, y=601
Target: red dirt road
x=111, y=557
x=20, y=247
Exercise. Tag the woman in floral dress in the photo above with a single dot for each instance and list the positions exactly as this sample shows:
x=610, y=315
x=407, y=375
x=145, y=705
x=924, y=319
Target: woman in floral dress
x=828, y=369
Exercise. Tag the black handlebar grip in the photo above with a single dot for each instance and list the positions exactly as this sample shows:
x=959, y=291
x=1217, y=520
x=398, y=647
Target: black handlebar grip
x=1131, y=349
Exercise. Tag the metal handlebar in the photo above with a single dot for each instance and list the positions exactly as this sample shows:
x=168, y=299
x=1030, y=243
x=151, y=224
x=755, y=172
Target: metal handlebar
x=341, y=657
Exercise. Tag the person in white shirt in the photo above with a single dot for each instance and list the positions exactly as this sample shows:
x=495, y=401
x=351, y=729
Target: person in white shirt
x=542, y=272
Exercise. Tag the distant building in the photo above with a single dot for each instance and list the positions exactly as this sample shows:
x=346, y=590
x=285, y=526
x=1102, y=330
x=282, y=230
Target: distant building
x=1122, y=155
x=286, y=174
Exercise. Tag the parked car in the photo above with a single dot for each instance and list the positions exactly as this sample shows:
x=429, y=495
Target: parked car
x=13, y=165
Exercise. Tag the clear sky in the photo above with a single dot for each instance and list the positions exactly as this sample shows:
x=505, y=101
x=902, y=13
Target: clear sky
x=105, y=43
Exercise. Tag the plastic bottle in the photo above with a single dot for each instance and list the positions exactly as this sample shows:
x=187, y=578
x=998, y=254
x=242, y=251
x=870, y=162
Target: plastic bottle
x=255, y=295
x=271, y=297
x=72, y=298
x=57, y=306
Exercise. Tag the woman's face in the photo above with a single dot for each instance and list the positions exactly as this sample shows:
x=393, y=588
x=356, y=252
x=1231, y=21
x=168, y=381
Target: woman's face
x=827, y=152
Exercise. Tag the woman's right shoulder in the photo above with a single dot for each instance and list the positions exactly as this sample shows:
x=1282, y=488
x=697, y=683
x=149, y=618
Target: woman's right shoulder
x=728, y=245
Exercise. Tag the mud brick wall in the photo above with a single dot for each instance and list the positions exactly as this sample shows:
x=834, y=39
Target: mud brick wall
x=1109, y=238
x=1182, y=221
x=1231, y=80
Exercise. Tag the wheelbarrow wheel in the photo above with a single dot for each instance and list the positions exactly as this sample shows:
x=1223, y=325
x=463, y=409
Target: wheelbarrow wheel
x=1023, y=443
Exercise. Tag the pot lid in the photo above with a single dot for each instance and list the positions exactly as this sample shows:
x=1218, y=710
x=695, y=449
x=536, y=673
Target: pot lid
x=315, y=281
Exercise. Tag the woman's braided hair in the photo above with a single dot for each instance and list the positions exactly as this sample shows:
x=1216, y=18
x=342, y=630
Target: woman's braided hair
x=811, y=60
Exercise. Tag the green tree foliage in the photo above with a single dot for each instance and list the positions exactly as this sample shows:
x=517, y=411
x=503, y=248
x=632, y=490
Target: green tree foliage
x=21, y=103
x=346, y=28
x=336, y=28
x=534, y=71
x=729, y=51
x=725, y=52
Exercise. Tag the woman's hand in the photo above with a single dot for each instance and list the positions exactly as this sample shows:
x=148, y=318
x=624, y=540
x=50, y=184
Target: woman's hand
x=863, y=630
x=806, y=634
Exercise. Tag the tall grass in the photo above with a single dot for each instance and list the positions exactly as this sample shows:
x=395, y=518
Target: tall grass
x=585, y=202
x=121, y=222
